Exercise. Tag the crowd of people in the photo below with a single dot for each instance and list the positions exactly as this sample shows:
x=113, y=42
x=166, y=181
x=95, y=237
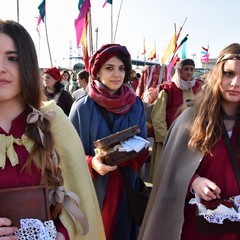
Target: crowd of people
x=49, y=126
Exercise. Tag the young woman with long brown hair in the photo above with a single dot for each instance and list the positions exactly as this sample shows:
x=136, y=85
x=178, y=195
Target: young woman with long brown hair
x=35, y=148
x=195, y=157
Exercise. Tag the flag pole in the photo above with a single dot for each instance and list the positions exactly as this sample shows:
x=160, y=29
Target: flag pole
x=111, y=23
x=90, y=32
x=155, y=52
x=117, y=21
x=178, y=37
x=17, y=11
x=144, y=50
x=181, y=28
x=48, y=41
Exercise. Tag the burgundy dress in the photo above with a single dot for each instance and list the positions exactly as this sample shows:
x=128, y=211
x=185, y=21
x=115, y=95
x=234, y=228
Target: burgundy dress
x=218, y=169
x=14, y=176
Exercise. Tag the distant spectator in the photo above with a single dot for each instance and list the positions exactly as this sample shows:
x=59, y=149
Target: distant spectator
x=82, y=80
x=66, y=77
x=53, y=89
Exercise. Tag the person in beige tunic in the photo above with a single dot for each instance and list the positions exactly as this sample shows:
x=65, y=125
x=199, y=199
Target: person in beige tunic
x=182, y=88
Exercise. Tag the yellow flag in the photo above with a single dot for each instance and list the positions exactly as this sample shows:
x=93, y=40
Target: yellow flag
x=170, y=48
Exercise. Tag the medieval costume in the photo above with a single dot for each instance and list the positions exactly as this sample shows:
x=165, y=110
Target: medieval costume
x=74, y=170
x=124, y=110
x=169, y=214
x=170, y=99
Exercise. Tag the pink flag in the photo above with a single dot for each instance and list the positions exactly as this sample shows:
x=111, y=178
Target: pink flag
x=205, y=58
x=79, y=22
x=107, y=1
x=104, y=4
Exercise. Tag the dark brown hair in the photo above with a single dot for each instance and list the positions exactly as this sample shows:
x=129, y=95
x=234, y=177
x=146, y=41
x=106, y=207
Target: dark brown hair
x=31, y=96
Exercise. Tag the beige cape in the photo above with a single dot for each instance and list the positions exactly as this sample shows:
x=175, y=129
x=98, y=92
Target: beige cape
x=76, y=175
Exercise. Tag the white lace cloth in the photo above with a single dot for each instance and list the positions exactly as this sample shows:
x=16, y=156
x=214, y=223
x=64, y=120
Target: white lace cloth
x=34, y=229
x=217, y=215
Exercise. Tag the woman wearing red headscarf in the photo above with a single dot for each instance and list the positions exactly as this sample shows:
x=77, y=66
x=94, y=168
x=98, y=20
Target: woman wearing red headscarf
x=54, y=89
x=110, y=69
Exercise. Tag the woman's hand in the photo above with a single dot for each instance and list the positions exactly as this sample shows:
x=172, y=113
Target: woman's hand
x=5, y=229
x=205, y=189
x=99, y=166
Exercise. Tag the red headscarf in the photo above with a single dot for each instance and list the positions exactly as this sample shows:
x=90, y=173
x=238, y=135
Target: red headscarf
x=104, y=54
x=54, y=73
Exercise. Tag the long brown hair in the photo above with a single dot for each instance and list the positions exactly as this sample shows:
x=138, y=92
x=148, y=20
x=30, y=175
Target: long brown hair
x=206, y=125
x=32, y=95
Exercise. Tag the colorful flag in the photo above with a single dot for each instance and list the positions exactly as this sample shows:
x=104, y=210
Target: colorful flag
x=42, y=13
x=205, y=58
x=184, y=51
x=206, y=54
x=181, y=43
x=80, y=4
x=80, y=21
x=85, y=44
x=178, y=46
x=205, y=49
x=144, y=47
x=170, y=48
x=107, y=1
x=152, y=54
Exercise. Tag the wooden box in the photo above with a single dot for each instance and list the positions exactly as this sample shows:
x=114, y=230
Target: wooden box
x=24, y=202
x=116, y=157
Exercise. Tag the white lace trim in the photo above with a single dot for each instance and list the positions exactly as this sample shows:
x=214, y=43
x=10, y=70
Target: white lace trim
x=219, y=218
x=34, y=229
x=219, y=214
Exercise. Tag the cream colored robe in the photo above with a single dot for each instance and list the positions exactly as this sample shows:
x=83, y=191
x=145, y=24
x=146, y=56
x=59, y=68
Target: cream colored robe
x=160, y=127
x=75, y=174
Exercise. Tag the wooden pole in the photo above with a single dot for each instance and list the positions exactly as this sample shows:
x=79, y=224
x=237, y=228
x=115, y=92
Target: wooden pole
x=117, y=21
x=96, y=47
x=177, y=37
x=90, y=32
x=48, y=42
x=111, y=23
x=18, y=11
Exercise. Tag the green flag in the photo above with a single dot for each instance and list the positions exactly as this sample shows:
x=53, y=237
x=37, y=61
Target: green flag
x=41, y=9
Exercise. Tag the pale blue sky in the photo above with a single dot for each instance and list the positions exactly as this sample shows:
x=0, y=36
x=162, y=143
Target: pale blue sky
x=208, y=21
